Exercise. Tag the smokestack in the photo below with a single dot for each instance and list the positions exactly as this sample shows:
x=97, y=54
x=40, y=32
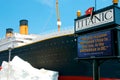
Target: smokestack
x=24, y=27
x=115, y=2
x=9, y=32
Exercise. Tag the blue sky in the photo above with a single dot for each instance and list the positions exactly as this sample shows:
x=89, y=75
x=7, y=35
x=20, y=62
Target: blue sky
x=41, y=14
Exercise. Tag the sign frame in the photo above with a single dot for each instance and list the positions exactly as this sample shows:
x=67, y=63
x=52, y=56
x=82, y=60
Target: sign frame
x=115, y=44
x=115, y=21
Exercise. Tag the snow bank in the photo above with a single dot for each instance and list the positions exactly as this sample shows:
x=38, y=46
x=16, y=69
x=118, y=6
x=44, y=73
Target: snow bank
x=19, y=69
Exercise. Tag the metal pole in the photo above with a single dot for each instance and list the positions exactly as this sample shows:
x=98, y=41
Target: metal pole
x=95, y=5
x=9, y=57
x=96, y=70
x=10, y=49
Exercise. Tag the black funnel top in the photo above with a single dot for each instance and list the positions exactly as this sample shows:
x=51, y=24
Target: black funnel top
x=9, y=30
x=23, y=22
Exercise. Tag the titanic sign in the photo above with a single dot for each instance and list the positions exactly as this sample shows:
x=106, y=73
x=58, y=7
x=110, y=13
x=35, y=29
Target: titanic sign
x=98, y=19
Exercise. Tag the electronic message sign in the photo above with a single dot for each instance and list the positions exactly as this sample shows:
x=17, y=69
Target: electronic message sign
x=97, y=44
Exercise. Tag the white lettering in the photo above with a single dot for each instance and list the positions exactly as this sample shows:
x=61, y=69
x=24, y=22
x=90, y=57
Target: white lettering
x=98, y=19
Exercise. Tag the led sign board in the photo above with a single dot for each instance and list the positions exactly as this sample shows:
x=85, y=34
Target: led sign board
x=95, y=44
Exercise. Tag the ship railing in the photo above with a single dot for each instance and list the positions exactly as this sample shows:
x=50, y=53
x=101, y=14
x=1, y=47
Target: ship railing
x=6, y=40
x=49, y=35
x=6, y=43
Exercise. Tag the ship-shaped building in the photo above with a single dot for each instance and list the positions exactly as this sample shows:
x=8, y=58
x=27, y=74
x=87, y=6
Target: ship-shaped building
x=58, y=51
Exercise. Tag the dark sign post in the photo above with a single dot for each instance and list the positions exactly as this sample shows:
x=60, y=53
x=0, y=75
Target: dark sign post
x=94, y=45
x=96, y=70
x=99, y=46
x=98, y=39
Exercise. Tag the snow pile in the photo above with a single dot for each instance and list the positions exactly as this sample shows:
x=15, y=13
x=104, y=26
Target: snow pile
x=19, y=69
